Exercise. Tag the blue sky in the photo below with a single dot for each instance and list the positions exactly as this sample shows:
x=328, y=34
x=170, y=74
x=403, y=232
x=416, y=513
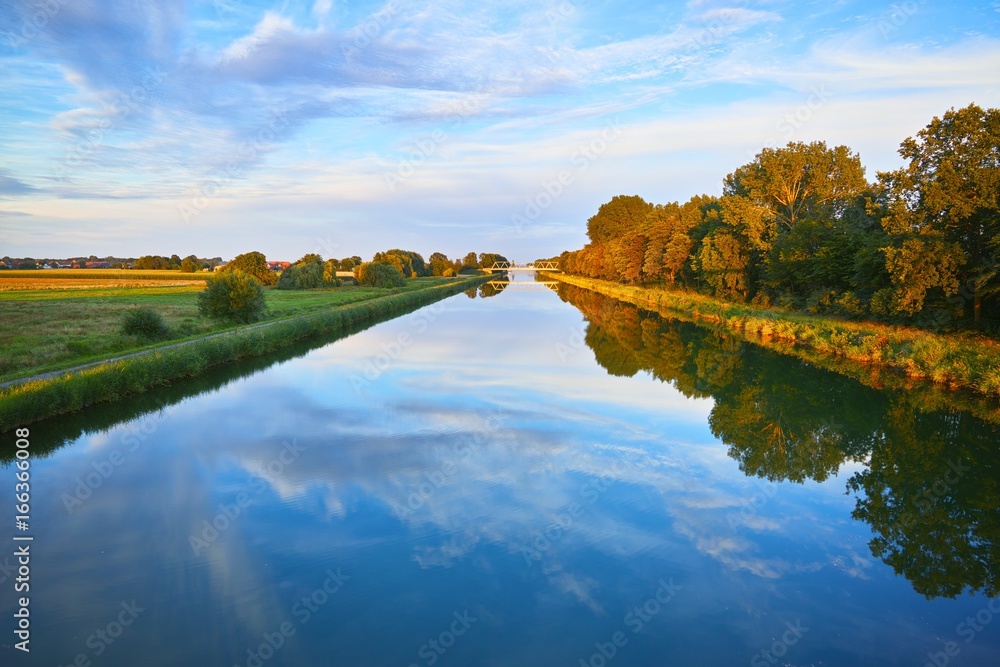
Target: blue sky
x=134, y=127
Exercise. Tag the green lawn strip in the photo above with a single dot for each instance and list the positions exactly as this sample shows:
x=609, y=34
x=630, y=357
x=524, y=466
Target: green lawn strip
x=955, y=361
x=43, y=332
x=36, y=399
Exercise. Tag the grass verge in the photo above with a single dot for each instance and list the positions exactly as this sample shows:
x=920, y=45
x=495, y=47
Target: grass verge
x=955, y=361
x=50, y=330
x=31, y=401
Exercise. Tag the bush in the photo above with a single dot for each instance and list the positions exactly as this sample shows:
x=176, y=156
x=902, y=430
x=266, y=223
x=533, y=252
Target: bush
x=144, y=323
x=377, y=274
x=233, y=295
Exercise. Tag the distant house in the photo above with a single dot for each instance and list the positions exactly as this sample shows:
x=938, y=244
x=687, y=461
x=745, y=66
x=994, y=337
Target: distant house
x=279, y=266
x=98, y=265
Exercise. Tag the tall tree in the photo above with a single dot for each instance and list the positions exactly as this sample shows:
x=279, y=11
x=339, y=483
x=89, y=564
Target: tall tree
x=723, y=261
x=255, y=264
x=944, y=209
x=618, y=217
x=768, y=196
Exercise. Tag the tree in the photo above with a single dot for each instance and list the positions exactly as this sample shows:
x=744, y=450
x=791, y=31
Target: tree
x=488, y=259
x=175, y=262
x=309, y=258
x=770, y=195
x=151, y=263
x=439, y=263
x=233, y=295
x=378, y=274
x=330, y=268
x=190, y=264
x=470, y=261
x=943, y=209
x=254, y=264
x=630, y=258
x=723, y=261
x=309, y=272
x=409, y=264
x=617, y=217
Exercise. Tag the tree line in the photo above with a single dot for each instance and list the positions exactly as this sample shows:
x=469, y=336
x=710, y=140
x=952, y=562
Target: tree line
x=801, y=227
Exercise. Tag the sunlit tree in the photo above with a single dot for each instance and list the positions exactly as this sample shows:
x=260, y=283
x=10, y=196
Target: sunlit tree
x=944, y=210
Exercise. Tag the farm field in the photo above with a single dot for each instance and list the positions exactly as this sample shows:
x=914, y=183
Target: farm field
x=43, y=328
x=126, y=275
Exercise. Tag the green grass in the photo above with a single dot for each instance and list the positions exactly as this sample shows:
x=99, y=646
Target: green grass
x=47, y=330
x=63, y=393
x=956, y=361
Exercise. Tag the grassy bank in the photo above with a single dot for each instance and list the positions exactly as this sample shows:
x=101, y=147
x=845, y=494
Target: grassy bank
x=954, y=361
x=43, y=330
x=31, y=401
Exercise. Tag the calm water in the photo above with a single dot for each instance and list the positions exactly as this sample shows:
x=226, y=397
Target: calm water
x=529, y=479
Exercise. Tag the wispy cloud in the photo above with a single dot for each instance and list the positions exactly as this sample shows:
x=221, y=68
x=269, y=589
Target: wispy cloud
x=129, y=107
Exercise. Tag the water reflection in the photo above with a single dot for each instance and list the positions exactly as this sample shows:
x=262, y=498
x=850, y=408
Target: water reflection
x=930, y=487
x=478, y=458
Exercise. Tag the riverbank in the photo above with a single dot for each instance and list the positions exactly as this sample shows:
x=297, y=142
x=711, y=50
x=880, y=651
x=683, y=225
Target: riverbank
x=29, y=401
x=57, y=328
x=948, y=360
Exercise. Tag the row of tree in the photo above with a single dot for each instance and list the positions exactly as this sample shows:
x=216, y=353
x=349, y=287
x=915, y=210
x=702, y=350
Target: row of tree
x=387, y=269
x=801, y=227
x=190, y=264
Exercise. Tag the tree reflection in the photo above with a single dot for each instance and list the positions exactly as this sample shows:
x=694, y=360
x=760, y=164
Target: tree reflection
x=930, y=493
x=494, y=287
x=931, y=486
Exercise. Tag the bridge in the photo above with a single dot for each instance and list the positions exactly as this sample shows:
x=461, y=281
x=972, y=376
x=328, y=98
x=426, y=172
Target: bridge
x=523, y=285
x=520, y=266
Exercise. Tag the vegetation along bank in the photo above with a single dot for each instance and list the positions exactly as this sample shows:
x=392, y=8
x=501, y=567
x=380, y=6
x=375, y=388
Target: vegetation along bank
x=31, y=401
x=954, y=360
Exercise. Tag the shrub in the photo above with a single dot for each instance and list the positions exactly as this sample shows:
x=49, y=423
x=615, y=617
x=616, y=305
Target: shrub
x=233, y=295
x=377, y=274
x=144, y=323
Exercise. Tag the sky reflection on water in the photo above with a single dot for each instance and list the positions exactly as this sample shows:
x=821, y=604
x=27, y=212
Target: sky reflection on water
x=490, y=469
